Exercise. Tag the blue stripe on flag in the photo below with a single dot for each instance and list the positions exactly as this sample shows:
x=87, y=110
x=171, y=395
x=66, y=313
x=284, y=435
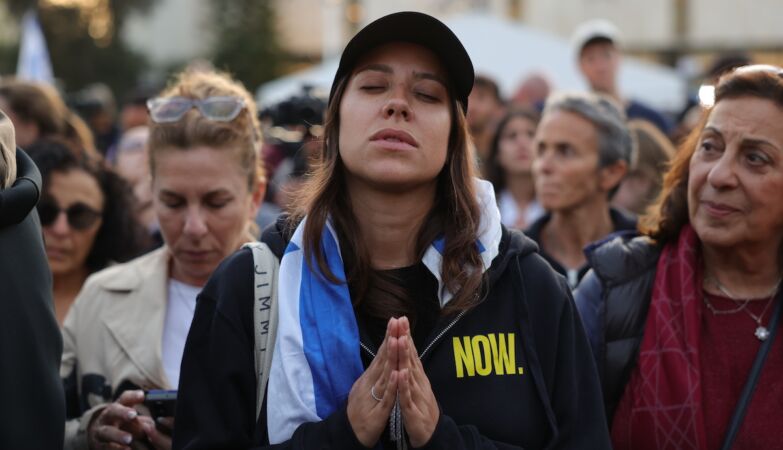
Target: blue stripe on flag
x=440, y=245
x=292, y=247
x=330, y=334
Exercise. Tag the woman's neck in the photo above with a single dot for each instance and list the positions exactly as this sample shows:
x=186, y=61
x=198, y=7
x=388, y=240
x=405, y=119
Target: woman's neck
x=744, y=272
x=65, y=288
x=567, y=233
x=390, y=222
x=521, y=188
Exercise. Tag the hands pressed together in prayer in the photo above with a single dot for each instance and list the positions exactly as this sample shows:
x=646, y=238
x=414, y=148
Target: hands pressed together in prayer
x=396, y=370
x=121, y=426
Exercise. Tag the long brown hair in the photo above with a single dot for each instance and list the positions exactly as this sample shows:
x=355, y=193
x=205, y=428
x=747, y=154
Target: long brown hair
x=455, y=216
x=669, y=214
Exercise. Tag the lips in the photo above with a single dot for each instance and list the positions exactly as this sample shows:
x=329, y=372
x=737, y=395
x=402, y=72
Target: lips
x=716, y=209
x=56, y=252
x=394, y=139
x=195, y=255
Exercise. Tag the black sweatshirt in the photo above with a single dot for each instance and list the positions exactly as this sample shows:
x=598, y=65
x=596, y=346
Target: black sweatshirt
x=31, y=343
x=514, y=372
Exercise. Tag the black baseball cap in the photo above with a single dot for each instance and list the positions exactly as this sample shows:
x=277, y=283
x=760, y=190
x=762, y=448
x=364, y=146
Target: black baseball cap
x=416, y=28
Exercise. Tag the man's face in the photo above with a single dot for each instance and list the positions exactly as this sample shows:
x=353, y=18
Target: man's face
x=599, y=62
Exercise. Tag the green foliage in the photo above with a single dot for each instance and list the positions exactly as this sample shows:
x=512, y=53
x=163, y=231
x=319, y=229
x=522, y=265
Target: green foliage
x=246, y=41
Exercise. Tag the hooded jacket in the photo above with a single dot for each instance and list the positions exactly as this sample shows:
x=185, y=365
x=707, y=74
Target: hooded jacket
x=30, y=342
x=513, y=372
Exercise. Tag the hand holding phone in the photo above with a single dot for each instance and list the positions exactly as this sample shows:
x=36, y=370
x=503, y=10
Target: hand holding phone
x=161, y=403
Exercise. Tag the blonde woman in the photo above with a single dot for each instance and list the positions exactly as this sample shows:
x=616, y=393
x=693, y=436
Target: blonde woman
x=127, y=328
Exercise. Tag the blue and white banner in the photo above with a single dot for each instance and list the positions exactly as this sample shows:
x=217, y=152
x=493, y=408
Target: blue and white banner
x=316, y=358
x=34, y=63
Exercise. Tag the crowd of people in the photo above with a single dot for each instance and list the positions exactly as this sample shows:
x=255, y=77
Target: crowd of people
x=414, y=262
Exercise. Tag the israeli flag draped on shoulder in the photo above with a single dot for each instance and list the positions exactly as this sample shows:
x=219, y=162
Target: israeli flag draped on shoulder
x=316, y=358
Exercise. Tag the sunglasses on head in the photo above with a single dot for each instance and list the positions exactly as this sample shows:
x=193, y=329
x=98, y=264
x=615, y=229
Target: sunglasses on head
x=760, y=68
x=79, y=215
x=172, y=109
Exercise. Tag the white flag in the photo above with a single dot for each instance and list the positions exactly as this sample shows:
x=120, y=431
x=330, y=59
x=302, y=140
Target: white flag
x=34, y=64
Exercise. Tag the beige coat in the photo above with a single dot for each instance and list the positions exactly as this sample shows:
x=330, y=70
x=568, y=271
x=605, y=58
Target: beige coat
x=112, y=335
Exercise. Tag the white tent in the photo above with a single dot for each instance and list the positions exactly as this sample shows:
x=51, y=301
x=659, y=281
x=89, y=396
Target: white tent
x=508, y=52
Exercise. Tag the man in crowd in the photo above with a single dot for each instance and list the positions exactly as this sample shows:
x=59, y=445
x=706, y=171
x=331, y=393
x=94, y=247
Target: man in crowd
x=596, y=43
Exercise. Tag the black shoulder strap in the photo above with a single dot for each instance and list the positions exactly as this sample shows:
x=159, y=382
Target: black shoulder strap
x=750, y=385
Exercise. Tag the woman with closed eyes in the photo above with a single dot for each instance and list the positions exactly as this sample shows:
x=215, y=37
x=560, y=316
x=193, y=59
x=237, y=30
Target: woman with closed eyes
x=127, y=328
x=409, y=316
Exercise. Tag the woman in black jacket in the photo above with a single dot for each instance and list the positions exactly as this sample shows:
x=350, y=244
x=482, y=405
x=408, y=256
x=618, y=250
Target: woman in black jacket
x=408, y=315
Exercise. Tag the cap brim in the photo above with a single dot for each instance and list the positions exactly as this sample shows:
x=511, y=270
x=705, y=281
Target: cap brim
x=417, y=28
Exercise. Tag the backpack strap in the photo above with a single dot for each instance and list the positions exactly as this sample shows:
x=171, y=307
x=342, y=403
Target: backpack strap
x=265, y=268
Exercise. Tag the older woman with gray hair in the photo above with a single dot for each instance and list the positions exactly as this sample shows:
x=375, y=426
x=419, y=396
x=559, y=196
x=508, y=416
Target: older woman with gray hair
x=582, y=152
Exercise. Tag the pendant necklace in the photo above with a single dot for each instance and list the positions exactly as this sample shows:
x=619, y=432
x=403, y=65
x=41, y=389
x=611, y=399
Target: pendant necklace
x=762, y=333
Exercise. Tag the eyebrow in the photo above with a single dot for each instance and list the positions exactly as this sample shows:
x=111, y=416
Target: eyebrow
x=388, y=70
x=753, y=141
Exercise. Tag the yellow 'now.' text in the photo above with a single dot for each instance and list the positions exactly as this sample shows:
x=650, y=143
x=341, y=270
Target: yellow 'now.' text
x=486, y=354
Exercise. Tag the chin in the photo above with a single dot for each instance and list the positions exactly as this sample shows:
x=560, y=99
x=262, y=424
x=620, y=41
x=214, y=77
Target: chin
x=550, y=204
x=716, y=236
x=59, y=269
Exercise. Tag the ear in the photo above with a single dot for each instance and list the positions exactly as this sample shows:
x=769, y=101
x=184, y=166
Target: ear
x=612, y=175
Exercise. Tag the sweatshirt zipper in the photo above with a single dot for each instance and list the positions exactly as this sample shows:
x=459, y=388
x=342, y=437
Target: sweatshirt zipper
x=431, y=344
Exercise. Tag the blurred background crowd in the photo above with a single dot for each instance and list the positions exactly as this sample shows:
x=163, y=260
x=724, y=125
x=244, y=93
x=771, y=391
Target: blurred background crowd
x=76, y=76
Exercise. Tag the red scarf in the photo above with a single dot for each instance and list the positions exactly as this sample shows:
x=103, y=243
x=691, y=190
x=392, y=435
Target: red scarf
x=661, y=406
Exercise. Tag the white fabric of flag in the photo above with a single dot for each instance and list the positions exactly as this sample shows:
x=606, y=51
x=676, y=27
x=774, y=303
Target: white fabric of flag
x=34, y=63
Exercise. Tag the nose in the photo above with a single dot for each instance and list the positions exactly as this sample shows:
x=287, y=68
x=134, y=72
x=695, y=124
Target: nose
x=195, y=223
x=397, y=106
x=542, y=162
x=60, y=225
x=722, y=174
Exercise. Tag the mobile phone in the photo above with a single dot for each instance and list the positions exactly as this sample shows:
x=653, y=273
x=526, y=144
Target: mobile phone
x=161, y=403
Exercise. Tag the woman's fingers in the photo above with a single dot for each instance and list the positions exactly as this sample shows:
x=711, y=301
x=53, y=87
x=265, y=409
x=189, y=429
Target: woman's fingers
x=131, y=398
x=108, y=436
x=388, y=395
x=373, y=395
x=377, y=364
x=419, y=409
x=167, y=423
x=116, y=414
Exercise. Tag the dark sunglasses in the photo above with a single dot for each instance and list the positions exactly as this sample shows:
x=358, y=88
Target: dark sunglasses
x=79, y=215
x=172, y=109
